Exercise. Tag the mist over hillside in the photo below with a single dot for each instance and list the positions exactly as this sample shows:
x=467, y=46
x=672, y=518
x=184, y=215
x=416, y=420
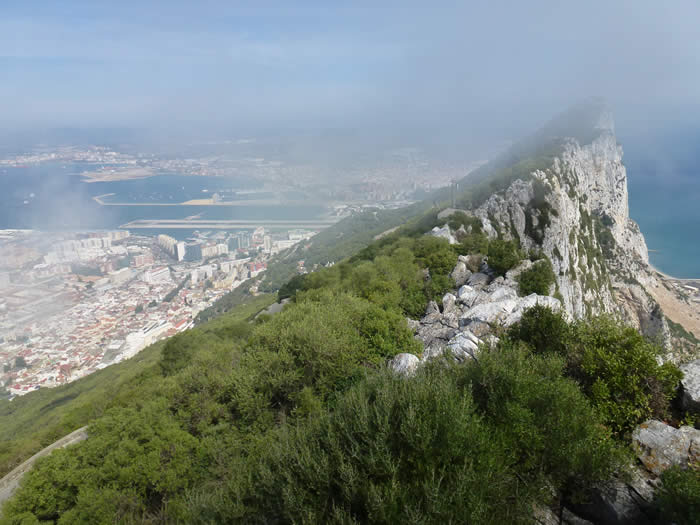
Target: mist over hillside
x=368, y=263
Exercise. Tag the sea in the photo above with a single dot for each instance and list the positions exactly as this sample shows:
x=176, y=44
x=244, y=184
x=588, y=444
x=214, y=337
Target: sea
x=663, y=177
x=56, y=197
x=663, y=180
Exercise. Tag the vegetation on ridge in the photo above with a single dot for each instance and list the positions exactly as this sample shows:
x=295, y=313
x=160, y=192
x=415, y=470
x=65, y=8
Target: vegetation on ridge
x=293, y=418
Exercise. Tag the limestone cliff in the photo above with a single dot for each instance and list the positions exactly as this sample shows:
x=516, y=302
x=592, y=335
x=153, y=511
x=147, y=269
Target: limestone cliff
x=574, y=208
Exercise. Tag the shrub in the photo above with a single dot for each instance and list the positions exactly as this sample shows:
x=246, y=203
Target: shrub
x=544, y=330
x=326, y=342
x=473, y=243
x=471, y=224
x=537, y=279
x=503, y=255
x=435, y=254
x=678, y=500
x=618, y=370
x=548, y=425
x=615, y=365
x=393, y=451
x=133, y=462
x=428, y=450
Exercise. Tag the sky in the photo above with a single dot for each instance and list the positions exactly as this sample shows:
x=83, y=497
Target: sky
x=497, y=67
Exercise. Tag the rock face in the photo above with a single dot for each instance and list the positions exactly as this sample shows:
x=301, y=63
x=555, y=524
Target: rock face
x=691, y=386
x=660, y=446
x=619, y=502
x=575, y=210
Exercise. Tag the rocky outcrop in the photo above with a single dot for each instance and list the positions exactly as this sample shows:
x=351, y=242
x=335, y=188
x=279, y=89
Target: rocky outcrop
x=461, y=273
x=690, y=386
x=444, y=233
x=619, y=502
x=404, y=364
x=575, y=209
x=470, y=316
x=660, y=446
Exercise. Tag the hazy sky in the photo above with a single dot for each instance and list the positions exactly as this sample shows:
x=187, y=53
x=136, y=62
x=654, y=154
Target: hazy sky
x=432, y=64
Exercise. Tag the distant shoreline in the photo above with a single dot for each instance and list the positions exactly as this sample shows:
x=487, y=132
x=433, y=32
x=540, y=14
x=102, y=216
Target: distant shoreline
x=670, y=277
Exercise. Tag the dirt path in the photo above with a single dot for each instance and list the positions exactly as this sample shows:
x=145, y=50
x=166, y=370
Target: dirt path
x=10, y=482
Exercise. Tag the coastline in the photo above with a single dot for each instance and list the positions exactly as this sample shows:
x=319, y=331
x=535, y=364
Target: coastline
x=670, y=277
x=680, y=310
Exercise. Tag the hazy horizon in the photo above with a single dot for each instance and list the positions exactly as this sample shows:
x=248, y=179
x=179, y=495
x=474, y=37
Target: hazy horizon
x=213, y=68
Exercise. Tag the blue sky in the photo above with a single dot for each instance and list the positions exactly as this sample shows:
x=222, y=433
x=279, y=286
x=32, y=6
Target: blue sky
x=76, y=63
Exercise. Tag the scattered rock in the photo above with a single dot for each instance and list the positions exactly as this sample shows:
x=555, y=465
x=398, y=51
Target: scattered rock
x=500, y=294
x=490, y=312
x=481, y=330
x=464, y=345
x=660, y=446
x=460, y=274
x=404, y=364
x=528, y=302
x=413, y=325
x=449, y=303
x=473, y=262
x=469, y=297
x=432, y=308
x=497, y=283
x=690, y=386
x=478, y=279
x=433, y=352
x=444, y=233
x=549, y=516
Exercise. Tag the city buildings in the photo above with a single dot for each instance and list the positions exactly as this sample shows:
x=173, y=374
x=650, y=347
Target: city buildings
x=60, y=321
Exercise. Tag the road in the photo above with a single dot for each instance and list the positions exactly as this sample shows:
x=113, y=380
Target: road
x=9, y=483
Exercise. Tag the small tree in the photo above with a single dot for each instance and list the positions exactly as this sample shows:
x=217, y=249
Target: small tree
x=503, y=255
x=537, y=279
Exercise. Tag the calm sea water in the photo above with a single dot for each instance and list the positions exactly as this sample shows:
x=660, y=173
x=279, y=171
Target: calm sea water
x=664, y=193
x=663, y=176
x=54, y=197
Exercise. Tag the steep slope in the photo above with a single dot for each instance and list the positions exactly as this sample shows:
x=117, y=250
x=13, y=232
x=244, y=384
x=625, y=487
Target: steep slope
x=295, y=418
x=575, y=210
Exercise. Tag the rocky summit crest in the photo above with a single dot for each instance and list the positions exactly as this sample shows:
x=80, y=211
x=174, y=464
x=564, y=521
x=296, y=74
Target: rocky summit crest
x=563, y=193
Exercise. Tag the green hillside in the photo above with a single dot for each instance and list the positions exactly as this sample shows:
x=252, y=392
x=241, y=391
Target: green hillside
x=34, y=421
x=294, y=417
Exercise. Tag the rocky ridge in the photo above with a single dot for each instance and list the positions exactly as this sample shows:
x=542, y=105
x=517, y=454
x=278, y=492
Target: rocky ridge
x=470, y=315
x=576, y=211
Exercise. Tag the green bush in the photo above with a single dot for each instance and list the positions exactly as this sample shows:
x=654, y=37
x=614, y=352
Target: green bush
x=473, y=243
x=544, y=330
x=549, y=427
x=537, y=279
x=428, y=450
x=678, y=500
x=325, y=343
x=614, y=364
x=135, y=459
x=618, y=370
x=503, y=255
x=471, y=224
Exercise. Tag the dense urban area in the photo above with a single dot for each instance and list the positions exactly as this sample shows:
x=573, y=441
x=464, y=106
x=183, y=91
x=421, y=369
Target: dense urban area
x=71, y=304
